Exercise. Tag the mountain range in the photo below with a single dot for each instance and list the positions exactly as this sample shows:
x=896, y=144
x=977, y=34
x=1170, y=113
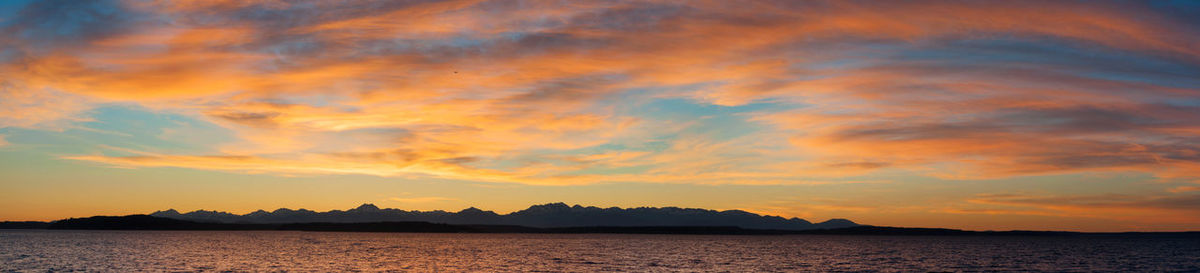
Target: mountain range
x=553, y=215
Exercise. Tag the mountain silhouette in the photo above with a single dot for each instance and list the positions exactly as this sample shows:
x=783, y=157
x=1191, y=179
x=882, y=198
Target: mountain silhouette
x=553, y=215
x=147, y=222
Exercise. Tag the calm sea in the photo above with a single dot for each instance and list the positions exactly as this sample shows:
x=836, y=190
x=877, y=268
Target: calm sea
x=204, y=251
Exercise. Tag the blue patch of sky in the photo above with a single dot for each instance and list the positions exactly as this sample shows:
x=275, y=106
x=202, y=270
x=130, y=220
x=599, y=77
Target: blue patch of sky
x=73, y=21
x=1184, y=11
x=459, y=41
x=1184, y=102
x=284, y=49
x=8, y=54
x=837, y=64
x=715, y=123
x=1066, y=57
x=164, y=132
x=842, y=55
x=10, y=8
x=126, y=127
x=613, y=170
x=465, y=41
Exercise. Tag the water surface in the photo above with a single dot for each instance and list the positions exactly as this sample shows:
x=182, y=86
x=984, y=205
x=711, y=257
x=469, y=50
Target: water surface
x=217, y=251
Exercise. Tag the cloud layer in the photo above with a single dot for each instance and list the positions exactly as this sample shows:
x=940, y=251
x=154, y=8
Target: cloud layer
x=566, y=93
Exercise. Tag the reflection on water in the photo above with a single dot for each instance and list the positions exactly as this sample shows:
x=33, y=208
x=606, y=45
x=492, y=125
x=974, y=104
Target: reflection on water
x=122, y=251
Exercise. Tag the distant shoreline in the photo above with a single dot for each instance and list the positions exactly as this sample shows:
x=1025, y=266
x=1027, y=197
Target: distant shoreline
x=146, y=222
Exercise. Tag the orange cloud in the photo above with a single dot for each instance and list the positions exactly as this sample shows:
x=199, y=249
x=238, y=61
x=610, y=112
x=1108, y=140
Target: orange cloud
x=1184, y=189
x=993, y=122
x=448, y=89
x=21, y=106
x=1146, y=209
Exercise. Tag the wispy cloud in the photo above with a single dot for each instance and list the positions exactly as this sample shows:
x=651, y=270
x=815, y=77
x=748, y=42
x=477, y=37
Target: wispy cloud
x=570, y=93
x=482, y=80
x=1185, y=189
x=1175, y=208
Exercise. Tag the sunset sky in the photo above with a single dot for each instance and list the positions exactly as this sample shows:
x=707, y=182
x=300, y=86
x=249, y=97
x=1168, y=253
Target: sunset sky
x=1048, y=115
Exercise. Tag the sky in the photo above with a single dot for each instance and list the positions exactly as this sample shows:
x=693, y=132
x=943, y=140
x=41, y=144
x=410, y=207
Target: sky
x=983, y=115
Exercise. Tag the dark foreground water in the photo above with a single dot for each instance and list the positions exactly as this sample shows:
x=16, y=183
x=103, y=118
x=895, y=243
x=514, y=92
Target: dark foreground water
x=191, y=251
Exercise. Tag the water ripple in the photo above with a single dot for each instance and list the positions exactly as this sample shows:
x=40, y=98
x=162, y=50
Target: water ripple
x=279, y=251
